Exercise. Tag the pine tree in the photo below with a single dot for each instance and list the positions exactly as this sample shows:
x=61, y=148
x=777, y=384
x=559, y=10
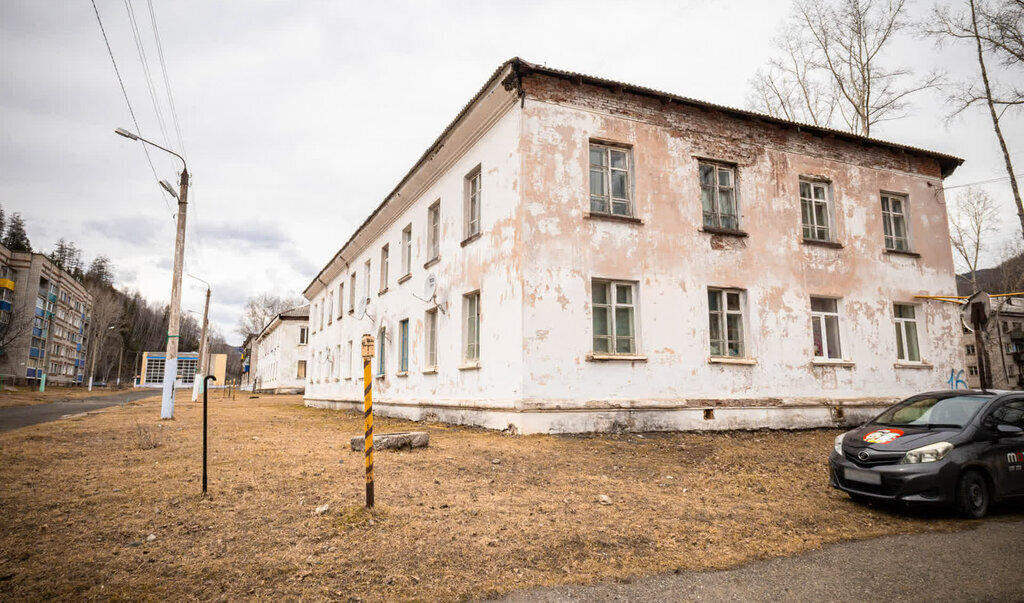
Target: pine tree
x=15, y=238
x=3, y=220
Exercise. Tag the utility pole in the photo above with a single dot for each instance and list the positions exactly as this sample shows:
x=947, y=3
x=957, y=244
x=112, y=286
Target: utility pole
x=201, y=368
x=174, y=313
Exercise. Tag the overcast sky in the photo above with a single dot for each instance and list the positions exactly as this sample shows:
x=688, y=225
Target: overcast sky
x=297, y=118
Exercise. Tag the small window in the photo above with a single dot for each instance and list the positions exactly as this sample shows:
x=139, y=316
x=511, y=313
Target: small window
x=321, y=316
x=894, y=222
x=972, y=371
x=303, y=335
x=330, y=307
x=473, y=203
x=825, y=328
x=407, y=250
x=384, y=252
x=970, y=350
x=609, y=180
x=434, y=231
x=614, y=311
x=471, y=330
x=430, y=326
x=351, y=357
x=366, y=280
x=381, y=356
x=718, y=195
x=907, y=348
x=816, y=210
x=341, y=298
x=352, y=294
x=725, y=322
x=300, y=373
x=403, y=346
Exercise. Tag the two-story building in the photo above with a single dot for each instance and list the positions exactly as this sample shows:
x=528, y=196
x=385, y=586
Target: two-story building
x=577, y=254
x=281, y=348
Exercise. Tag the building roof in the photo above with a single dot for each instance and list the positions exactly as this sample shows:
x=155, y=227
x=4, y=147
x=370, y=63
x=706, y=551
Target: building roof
x=521, y=68
x=296, y=313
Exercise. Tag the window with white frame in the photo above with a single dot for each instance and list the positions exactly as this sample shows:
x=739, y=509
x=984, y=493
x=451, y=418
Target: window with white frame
x=614, y=306
x=341, y=299
x=473, y=202
x=907, y=348
x=725, y=322
x=969, y=350
x=972, y=371
x=816, y=210
x=366, y=281
x=609, y=180
x=894, y=222
x=407, y=250
x=403, y=346
x=434, y=231
x=471, y=327
x=718, y=195
x=338, y=362
x=825, y=328
x=330, y=307
x=352, y=294
x=322, y=315
x=381, y=353
x=303, y=335
x=351, y=357
x=384, y=254
x=430, y=328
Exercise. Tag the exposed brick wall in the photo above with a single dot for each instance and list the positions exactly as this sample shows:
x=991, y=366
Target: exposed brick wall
x=722, y=135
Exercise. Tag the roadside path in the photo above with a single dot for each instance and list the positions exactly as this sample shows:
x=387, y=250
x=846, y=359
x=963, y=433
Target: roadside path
x=21, y=416
x=983, y=564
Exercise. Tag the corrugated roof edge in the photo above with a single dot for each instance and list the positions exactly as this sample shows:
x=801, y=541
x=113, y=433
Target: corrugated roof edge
x=948, y=163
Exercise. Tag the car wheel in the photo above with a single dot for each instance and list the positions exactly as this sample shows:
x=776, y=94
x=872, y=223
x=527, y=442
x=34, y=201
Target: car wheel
x=973, y=495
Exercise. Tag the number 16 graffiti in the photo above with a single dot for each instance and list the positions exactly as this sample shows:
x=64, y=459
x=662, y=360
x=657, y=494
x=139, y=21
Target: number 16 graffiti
x=956, y=379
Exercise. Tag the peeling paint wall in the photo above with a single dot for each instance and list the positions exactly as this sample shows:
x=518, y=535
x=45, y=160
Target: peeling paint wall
x=674, y=262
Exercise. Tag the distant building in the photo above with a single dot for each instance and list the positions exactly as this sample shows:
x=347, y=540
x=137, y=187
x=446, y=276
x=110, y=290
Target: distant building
x=249, y=360
x=282, y=351
x=153, y=364
x=49, y=311
x=576, y=254
x=1004, y=340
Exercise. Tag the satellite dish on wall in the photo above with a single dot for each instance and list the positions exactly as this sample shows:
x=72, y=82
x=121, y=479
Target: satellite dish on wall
x=361, y=308
x=430, y=286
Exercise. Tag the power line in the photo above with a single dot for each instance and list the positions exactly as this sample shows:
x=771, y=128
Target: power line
x=990, y=181
x=167, y=81
x=141, y=49
x=128, y=102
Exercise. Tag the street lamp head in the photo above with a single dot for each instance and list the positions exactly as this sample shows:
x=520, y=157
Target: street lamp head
x=125, y=133
x=170, y=189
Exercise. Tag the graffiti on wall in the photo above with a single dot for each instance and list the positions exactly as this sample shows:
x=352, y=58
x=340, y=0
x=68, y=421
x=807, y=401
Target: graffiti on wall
x=956, y=379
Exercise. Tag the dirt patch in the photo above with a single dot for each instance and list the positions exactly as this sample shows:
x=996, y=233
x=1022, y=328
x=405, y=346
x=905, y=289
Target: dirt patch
x=476, y=514
x=24, y=395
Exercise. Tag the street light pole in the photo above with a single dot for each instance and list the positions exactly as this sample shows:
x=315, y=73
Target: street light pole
x=174, y=312
x=201, y=369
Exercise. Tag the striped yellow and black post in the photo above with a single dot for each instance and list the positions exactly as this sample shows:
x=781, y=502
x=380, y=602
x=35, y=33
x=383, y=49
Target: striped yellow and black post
x=368, y=345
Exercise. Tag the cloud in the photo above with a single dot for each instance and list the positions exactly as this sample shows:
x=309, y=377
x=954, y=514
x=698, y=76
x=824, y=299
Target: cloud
x=249, y=236
x=139, y=231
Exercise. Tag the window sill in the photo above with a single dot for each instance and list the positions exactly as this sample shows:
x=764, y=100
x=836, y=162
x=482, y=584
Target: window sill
x=432, y=261
x=616, y=358
x=612, y=217
x=906, y=252
x=731, y=360
x=430, y=371
x=347, y=378
x=402, y=374
x=827, y=362
x=471, y=238
x=912, y=365
x=379, y=377
x=470, y=366
x=832, y=244
x=351, y=312
x=723, y=231
x=382, y=291
x=404, y=277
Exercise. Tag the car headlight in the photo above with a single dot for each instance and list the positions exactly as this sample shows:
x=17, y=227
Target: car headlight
x=927, y=454
x=839, y=443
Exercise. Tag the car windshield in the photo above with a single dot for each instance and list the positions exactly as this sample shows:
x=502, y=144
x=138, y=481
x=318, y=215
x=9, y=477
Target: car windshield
x=955, y=411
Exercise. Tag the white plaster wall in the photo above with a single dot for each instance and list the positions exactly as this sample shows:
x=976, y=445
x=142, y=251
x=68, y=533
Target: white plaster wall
x=673, y=262
x=489, y=264
x=279, y=355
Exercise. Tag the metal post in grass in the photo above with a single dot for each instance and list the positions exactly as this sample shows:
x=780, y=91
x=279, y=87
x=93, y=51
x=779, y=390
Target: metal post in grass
x=368, y=345
x=206, y=390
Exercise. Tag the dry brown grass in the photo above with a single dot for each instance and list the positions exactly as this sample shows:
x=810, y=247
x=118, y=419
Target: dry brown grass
x=24, y=395
x=80, y=497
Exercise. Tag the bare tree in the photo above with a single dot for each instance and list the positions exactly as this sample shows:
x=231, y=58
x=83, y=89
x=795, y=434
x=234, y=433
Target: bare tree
x=988, y=29
x=261, y=309
x=14, y=325
x=106, y=314
x=830, y=66
x=971, y=222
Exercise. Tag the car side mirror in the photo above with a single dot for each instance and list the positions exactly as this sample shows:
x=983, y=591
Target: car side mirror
x=1005, y=429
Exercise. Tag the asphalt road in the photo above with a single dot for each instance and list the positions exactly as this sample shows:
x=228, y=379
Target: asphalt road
x=20, y=416
x=983, y=564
